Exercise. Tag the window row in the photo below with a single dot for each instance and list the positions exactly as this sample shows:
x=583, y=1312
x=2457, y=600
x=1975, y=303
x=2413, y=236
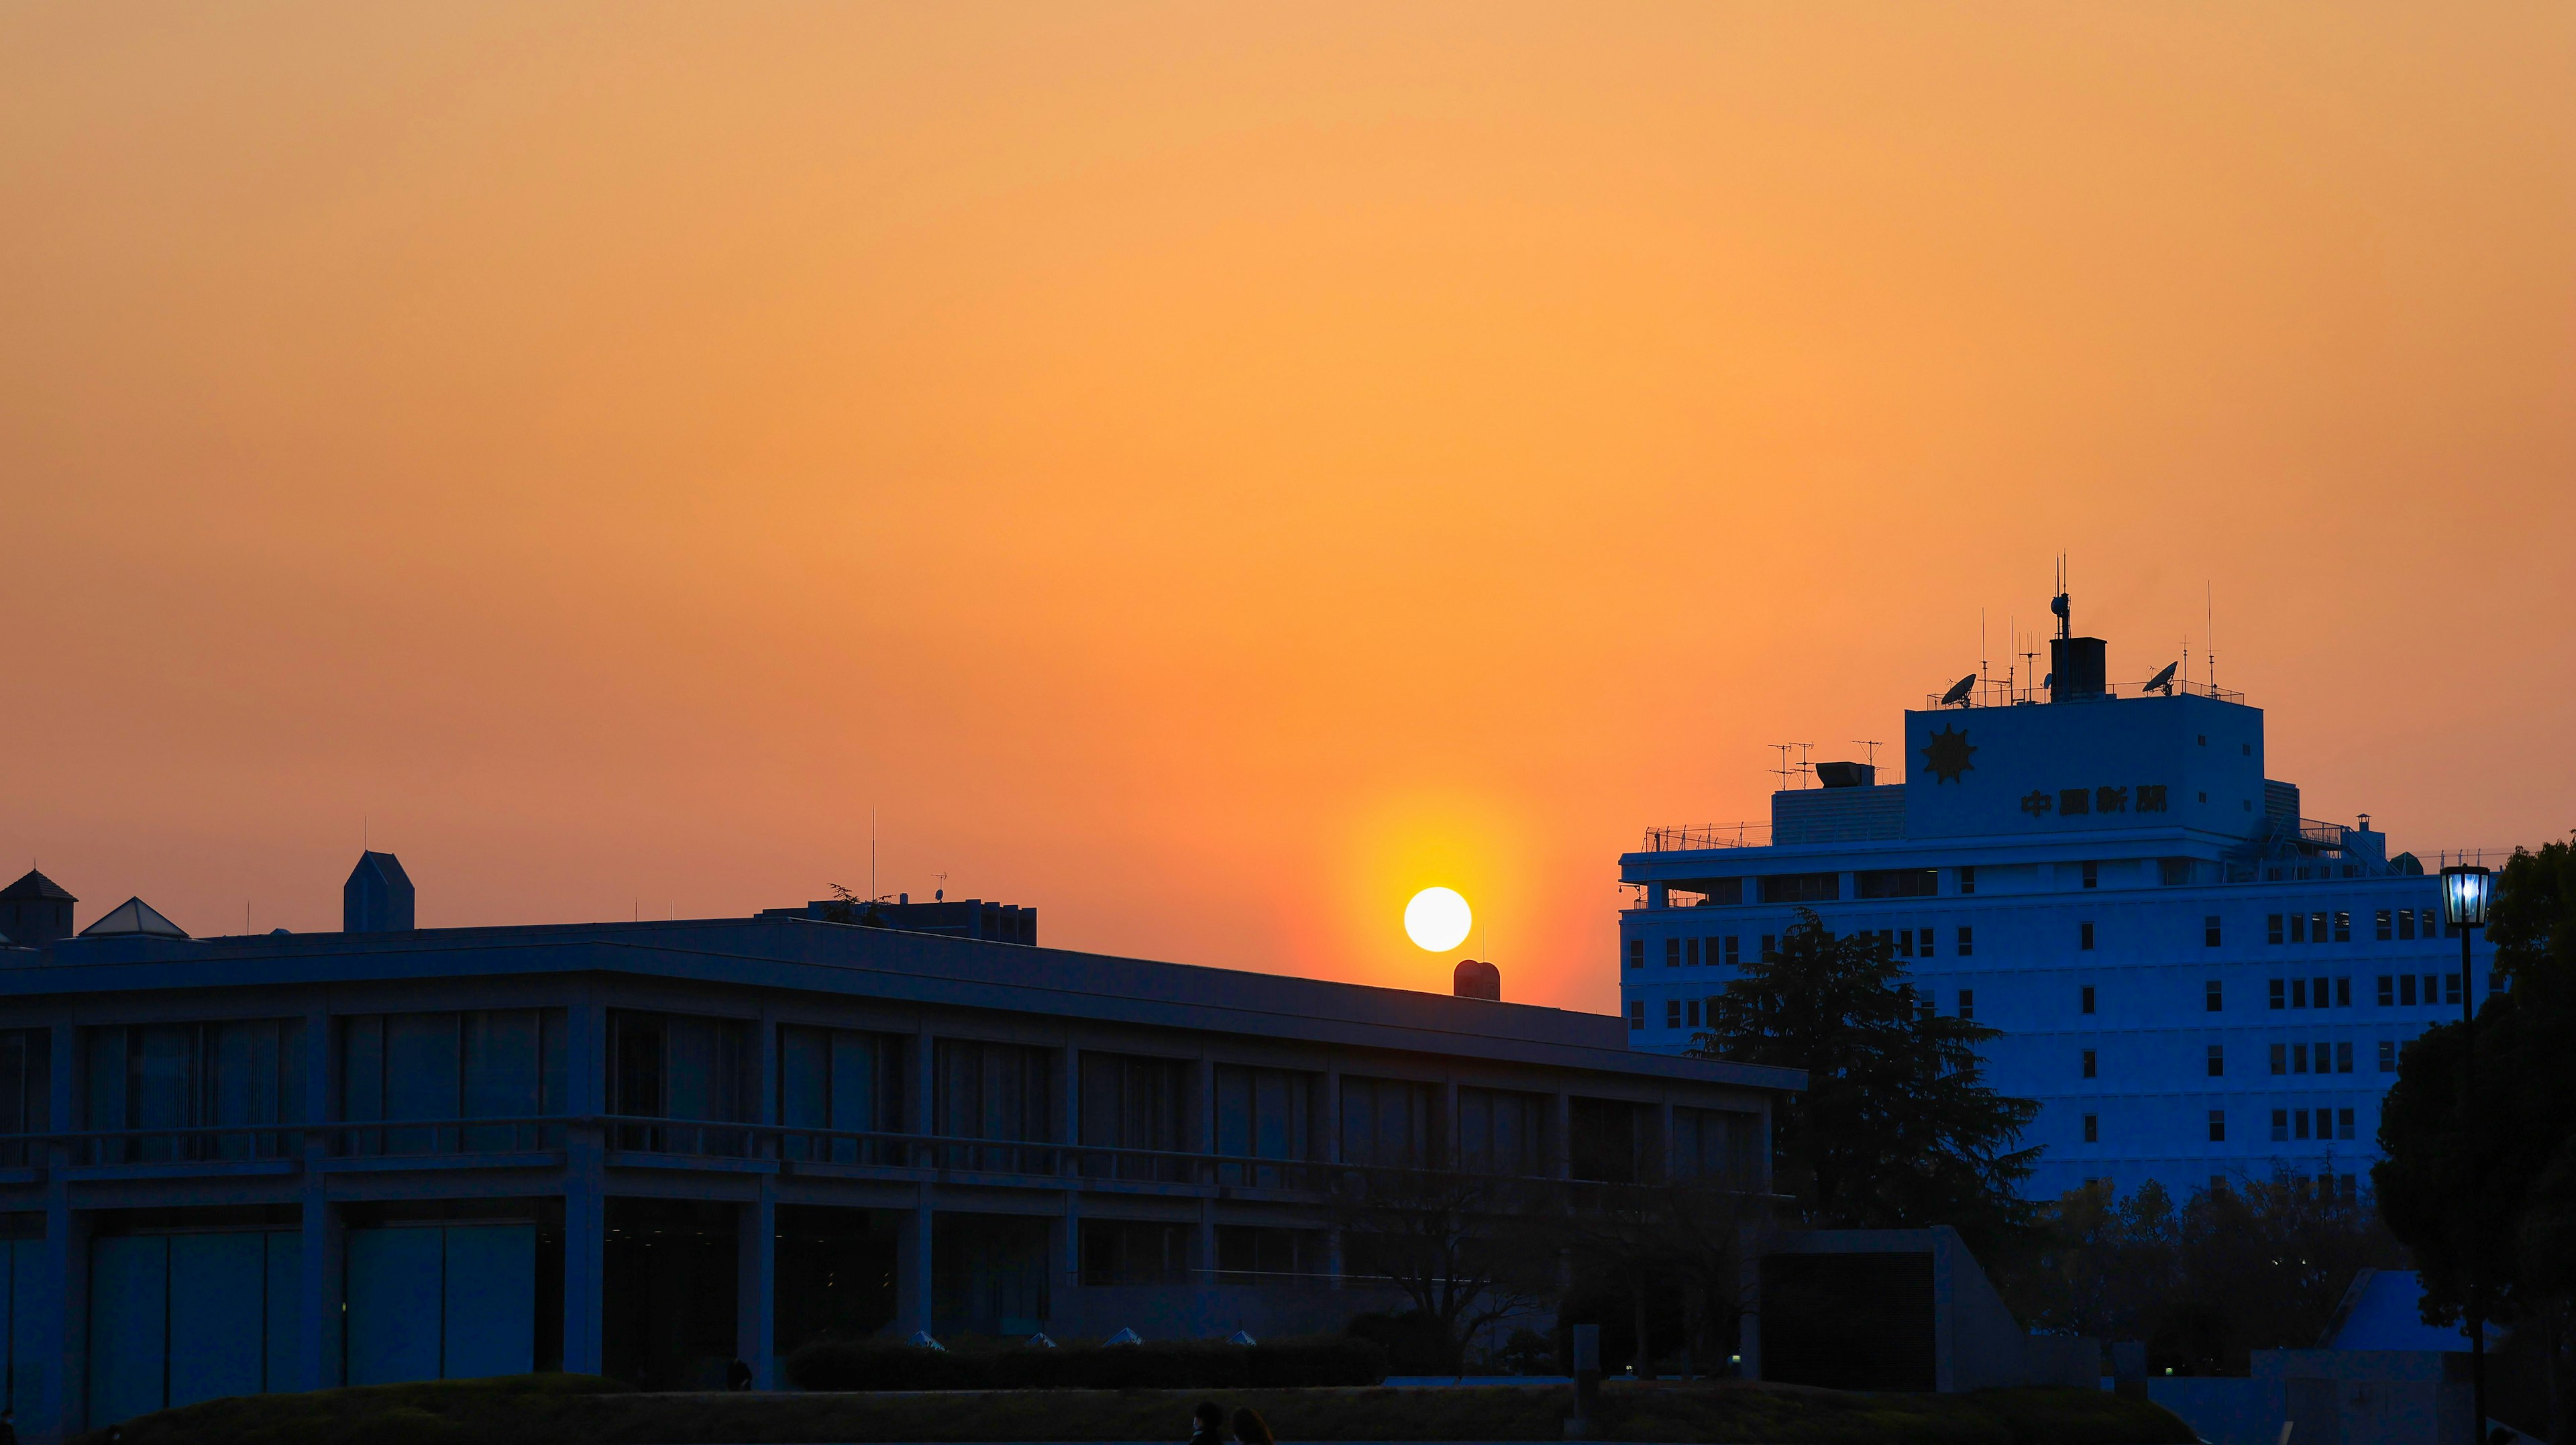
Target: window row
x=498, y=1080
x=1727, y=949
x=2287, y=1125
x=2388, y=925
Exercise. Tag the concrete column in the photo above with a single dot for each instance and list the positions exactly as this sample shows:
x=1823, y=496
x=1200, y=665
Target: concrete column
x=914, y=1281
x=1206, y=1092
x=1664, y=1138
x=756, y=1287
x=585, y=1188
x=1069, y=1236
x=1331, y=1125
x=1445, y=1151
x=52, y=1405
x=316, y=1365
x=1562, y=1146
x=925, y=1075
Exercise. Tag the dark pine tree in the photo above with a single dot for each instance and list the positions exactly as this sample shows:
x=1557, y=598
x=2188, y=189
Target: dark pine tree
x=1897, y=1127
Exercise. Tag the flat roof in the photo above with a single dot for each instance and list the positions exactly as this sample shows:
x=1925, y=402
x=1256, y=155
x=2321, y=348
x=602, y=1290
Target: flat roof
x=813, y=956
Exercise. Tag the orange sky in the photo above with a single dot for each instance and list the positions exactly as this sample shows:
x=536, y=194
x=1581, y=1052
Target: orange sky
x=1209, y=471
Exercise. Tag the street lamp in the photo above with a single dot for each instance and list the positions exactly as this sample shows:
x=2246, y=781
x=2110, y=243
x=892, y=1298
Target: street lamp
x=2466, y=888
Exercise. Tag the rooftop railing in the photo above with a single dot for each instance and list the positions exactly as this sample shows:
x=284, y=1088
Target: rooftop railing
x=1696, y=837
x=1996, y=692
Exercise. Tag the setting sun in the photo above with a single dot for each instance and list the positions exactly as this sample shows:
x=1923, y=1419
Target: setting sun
x=1437, y=919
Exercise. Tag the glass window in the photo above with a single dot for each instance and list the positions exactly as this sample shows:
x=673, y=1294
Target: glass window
x=1672, y=953
x=2280, y=994
x=2388, y=1056
x=2209, y=931
x=1389, y=1123
x=2280, y=1058
x=2298, y=928
x=2387, y=991
x=2092, y=1128
x=840, y=1081
x=1604, y=1143
x=2218, y=1126
x=2217, y=1061
x=1672, y=1013
x=2450, y=988
x=2343, y=926
x=2429, y=926
x=678, y=1067
x=2343, y=1058
x=2405, y=923
x=1690, y=953
x=2272, y=929
x=2343, y=1126
x=196, y=1076
x=1133, y=1102
x=2214, y=996
x=1263, y=1255
x=2299, y=1122
x=1265, y=1114
x=1967, y=940
x=2084, y=935
x=2298, y=993
x=2343, y=993
x=1118, y=1251
x=1636, y=1013
x=2316, y=928
x=1717, y=1145
x=1499, y=1132
x=2298, y=1058
x=447, y=1067
x=2406, y=990
x=2087, y=1000
x=26, y=1092
x=1967, y=880
x=2092, y=875
x=2382, y=926
x=2280, y=1125
x=1967, y=1003
x=2091, y=1063
x=982, y=1090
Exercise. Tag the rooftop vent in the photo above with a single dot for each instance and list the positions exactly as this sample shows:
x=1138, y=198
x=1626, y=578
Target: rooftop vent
x=1847, y=775
x=377, y=897
x=1476, y=978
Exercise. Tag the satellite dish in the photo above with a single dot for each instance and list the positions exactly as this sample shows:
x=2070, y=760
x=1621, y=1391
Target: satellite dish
x=1958, y=692
x=2163, y=680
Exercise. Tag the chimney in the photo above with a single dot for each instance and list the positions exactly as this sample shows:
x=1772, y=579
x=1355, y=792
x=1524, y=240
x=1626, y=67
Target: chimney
x=377, y=897
x=1477, y=979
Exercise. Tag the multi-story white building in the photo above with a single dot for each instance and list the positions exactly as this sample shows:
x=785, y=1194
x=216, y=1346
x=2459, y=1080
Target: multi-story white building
x=2195, y=982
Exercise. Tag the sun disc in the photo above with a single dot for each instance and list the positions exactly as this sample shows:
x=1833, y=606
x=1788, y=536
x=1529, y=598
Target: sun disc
x=1437, y=919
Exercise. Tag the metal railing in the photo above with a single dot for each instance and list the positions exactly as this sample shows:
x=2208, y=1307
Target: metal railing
x=1999, y=692
x=1695, y=838
x=790, y=1146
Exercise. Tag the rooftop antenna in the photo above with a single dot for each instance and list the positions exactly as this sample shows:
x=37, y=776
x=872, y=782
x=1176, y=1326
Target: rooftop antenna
x=2209, y=630
x=1806, y=769
x=1783, y=771
x=872, y=855
x=1873, y=751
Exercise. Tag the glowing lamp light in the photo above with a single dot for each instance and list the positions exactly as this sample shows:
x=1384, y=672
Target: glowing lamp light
x=1437, y=919
x=2465, y=890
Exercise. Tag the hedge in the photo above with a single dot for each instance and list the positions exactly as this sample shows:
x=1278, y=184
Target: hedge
x=1165, y=1365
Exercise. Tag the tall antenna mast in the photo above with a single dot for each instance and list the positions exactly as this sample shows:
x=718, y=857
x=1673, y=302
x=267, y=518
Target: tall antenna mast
x=1783, y=771
x=2209, y=630
x=872, y=855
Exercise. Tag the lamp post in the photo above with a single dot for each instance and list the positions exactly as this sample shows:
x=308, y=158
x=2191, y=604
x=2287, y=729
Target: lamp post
x=2465, y=890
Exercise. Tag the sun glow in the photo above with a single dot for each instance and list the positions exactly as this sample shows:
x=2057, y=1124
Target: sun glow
x=1437, y=919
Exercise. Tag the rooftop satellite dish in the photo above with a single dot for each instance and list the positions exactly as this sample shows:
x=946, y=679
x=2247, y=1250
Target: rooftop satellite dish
x=1959, y=690
x=2163, y=680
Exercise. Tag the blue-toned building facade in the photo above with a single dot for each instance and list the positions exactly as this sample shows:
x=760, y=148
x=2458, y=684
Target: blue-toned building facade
x=652, y=1149
x=2195, y=982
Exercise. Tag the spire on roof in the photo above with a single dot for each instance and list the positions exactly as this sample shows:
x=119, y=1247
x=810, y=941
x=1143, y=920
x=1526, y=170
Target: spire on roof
x=378, y=896
x=134, y=916
x=36, y=885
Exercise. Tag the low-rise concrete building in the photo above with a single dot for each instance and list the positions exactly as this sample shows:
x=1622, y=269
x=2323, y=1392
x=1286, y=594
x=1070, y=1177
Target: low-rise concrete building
x=281, y=1162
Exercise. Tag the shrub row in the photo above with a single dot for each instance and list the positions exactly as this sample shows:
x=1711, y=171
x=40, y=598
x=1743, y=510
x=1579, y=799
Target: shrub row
x=1171, y=1365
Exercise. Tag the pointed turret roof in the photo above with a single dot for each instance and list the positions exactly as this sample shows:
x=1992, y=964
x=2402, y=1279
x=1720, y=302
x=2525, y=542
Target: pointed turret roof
x=134, y=916
x=36, y=885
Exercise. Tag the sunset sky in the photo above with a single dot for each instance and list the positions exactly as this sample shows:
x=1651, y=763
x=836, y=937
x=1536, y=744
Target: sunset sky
x=1211, y=471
